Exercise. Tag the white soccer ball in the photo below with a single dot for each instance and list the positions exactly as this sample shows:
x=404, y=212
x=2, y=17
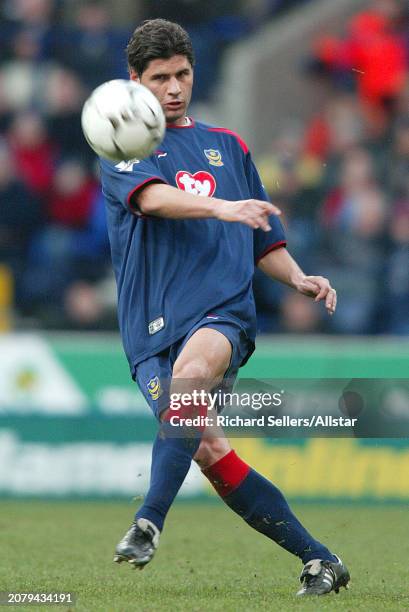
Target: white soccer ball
x=123, y=120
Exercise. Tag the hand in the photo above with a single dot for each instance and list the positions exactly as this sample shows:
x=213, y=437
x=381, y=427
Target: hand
x=254, y=213
x=318, y=288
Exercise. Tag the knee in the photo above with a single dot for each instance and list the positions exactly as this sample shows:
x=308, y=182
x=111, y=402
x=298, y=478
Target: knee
x=197, y=370
x=211, y=450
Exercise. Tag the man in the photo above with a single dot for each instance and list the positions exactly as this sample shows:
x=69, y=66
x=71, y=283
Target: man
x=187, y=226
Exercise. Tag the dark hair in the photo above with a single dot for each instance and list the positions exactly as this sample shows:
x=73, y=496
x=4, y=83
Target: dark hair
x=157, y=39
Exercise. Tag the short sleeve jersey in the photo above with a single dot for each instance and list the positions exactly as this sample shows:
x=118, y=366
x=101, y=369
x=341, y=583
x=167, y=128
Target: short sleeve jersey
x=170, y=273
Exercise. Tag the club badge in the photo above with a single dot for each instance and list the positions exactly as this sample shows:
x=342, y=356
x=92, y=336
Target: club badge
x=214, y=156
x=154, y=388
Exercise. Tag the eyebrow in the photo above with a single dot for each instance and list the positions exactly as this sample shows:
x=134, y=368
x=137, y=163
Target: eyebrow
x=157, y=75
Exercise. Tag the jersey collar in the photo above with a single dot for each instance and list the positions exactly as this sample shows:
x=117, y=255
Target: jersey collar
x=189, y=124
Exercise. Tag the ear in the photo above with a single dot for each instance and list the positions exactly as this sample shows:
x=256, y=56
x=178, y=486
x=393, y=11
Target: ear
x=133, y=75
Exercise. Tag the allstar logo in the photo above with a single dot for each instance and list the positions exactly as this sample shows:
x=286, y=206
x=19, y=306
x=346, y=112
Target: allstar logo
x=200, y=183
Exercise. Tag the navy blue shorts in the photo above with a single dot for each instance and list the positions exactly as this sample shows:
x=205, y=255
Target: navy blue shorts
x=153, y=375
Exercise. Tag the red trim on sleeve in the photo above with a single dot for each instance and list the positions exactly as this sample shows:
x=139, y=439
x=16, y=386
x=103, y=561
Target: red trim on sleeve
x=151, y=179
x=271, y=247
x=238, y=138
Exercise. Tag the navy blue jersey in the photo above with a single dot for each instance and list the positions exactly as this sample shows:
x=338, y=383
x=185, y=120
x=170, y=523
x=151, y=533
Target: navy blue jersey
x=170, y=273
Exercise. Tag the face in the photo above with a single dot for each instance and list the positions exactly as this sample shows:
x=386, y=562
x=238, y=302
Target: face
x=171, y=81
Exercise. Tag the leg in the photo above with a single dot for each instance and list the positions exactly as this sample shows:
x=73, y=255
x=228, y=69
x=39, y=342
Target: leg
x=264, y=508
x=256, y=499
x=201, y=364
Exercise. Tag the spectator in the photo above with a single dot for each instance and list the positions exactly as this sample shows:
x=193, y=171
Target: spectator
x=375, y=53
x=85, y=307
x=299, y=315
x=352, y=219
x=398, y=167
x=29, y=20
x=21, y=215
x=23, y=76
x=64, y=97
x=396, y=284
x=99, y=48
x=73, y=247
x=293, y=179
x=33, y=153
x=335, y=129
x=71, y=196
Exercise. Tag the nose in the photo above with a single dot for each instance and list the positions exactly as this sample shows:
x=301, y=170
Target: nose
x=174, y=87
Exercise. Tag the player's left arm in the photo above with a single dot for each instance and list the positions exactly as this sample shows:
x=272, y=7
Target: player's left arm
x=279, y=265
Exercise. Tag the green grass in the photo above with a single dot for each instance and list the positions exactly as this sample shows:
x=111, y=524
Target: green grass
x=208, y=558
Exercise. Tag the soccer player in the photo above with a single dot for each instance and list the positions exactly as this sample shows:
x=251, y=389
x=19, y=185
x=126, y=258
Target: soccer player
x=187, y=226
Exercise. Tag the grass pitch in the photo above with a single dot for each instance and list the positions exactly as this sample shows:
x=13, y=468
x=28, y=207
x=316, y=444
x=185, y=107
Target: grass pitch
x=208, y=559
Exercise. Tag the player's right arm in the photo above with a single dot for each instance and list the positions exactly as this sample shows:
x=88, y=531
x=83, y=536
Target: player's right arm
x=165, y=201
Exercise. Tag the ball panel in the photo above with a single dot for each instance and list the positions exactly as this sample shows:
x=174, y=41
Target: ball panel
x=98, y=132
x=123, y=120
x=134, y=138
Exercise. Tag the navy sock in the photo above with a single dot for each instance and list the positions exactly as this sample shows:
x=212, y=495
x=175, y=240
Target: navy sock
x=263, y=507
x=171, y=459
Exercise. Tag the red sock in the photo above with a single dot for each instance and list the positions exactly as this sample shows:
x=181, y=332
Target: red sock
x=226, y=474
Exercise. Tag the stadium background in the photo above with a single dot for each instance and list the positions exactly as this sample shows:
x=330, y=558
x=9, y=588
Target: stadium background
x=320, y=90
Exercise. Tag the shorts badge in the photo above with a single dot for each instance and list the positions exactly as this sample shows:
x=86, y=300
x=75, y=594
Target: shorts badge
x=154, y=388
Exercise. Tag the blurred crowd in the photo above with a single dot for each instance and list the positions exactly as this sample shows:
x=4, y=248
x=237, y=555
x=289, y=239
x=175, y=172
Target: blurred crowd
x=53, y=234
x=342, y=180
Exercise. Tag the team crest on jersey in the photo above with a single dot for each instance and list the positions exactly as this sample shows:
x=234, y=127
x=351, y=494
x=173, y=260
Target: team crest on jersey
x=154, y=388
x=200, y=183
x=214, y=156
